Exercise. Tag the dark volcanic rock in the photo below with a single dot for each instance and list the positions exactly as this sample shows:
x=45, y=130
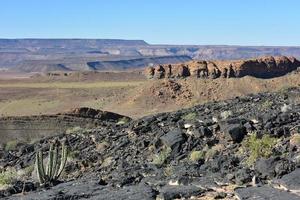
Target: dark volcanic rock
x=206, y=153
x=235, y=132
x=243, y=176
x=84, y=189
x=95, y=114
x=173, y=139
x=17, y=188
x=266, y=167
x=179, y=192
x=290, y=181
x=263, y=193
x=274, y=166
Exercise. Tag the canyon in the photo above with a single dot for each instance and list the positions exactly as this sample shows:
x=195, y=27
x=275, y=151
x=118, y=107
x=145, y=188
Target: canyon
x=42, y=55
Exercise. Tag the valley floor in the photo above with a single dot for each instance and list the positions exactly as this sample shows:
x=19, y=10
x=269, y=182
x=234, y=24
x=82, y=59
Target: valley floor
x=126, y=93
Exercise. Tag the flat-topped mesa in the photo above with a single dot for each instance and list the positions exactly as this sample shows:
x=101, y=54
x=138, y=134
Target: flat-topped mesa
x=264, y=67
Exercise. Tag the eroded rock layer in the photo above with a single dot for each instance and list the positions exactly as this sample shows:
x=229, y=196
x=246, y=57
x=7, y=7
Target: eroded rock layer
x=264, y=67
x=30, y=127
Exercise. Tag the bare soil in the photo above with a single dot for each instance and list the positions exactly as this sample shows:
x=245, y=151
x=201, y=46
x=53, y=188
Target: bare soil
x=127, y=93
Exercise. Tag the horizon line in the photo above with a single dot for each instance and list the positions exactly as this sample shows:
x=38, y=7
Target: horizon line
x=153, y=44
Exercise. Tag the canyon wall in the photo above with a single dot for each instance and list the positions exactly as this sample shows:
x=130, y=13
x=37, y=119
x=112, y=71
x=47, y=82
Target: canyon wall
x=264, y=67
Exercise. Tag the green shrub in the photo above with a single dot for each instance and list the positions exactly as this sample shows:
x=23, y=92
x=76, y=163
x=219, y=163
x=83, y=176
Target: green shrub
x=28, y=170
x=74, y=130
x=123, y=120
x=168, y=171
x=206, y=153
x=72, y=155
x=258, y=147
x=160, y=159
x=190, y=116
x=7, y=177
x=11, y=145
x=267, y=104
x=226, y=114
x=197, y=155
x=210, y=153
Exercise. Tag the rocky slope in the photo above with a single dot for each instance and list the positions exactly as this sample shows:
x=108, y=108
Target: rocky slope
x=29, y=128
x=247, y=148
x=265, y=67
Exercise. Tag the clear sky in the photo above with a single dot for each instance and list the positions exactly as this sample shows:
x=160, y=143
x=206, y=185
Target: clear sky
x=237, y=22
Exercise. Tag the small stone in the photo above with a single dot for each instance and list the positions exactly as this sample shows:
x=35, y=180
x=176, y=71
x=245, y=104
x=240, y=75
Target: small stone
x=243, y=176
x=235, y=132
x=220, y=195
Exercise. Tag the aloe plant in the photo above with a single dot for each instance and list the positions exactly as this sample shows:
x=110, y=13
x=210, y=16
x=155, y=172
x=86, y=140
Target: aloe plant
x=55, y=166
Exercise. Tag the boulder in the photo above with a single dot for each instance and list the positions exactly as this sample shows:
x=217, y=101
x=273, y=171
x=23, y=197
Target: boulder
x=233, y=131
x=273, y=167
x=243, y=176
x=264, y=192
x=290, y=181
x=173, y=139
x=179, y=192
x=266, y=167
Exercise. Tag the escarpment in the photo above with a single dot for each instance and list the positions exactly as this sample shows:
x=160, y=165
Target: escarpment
x=264, y=67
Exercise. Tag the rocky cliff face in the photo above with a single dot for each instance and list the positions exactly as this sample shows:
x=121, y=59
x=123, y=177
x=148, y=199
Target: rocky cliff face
x=265, y=67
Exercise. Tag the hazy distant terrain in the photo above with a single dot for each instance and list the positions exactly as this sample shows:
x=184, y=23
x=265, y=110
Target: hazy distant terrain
x=35, y=55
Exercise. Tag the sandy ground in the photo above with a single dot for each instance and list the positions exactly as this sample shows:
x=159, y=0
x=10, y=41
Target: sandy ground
x=125, y=93
x=4, y=75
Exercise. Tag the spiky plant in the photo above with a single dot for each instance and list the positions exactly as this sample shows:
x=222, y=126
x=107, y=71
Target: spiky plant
x=55, y=166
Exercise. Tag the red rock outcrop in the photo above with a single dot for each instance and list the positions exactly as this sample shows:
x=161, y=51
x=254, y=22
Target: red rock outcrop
x=264, y=67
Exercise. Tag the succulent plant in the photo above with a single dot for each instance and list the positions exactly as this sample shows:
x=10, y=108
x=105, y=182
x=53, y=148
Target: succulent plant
x=55, y=166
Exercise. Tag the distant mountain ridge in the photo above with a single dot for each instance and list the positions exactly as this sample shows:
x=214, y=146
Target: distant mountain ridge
x=68, y=43
x=136, y=63
x=100, y=54
x=77, y=65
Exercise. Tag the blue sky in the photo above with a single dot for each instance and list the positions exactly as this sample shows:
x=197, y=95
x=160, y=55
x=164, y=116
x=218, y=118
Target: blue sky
x=236, y=22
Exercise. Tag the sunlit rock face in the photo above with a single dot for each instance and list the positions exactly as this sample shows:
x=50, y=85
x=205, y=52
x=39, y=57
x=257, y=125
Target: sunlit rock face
x=264, y=67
